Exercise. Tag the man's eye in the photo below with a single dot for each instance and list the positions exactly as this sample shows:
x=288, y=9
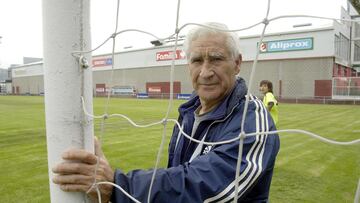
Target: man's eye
x=217, y=59
x=196, y=60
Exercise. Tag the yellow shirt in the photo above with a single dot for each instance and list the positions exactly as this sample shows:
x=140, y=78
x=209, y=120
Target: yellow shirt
x=269, y=97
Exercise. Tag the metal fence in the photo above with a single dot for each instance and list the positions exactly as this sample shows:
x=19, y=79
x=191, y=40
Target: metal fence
x=346, y=88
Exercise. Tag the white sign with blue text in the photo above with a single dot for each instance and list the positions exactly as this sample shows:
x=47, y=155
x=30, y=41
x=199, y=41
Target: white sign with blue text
x=287, y=45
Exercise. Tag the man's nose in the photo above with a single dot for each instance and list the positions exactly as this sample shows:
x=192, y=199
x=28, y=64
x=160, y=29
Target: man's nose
x=206, y=70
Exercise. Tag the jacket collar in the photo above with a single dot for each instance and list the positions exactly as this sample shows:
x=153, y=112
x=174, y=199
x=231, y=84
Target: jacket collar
x=224, y=108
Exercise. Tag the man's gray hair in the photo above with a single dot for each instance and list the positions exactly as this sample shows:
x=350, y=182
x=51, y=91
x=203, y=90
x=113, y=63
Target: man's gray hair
x=232, y=39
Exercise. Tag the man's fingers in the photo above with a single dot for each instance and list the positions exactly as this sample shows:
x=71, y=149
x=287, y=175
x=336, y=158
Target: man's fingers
x=77, y=173
x=81, y=183
x=74, y=168
x=83, y=188
x=77, y=179
x=80, y=155
x=74, y=188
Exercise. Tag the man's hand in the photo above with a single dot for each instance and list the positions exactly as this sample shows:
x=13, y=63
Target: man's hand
x=77, y=173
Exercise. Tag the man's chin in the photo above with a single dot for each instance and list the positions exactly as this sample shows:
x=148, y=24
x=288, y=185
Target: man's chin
x=208, y=97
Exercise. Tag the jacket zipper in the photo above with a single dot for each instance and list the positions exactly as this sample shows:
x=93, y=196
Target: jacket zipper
x=204, y=137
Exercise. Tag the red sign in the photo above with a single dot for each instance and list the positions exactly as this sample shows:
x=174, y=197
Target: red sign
x=102, y=62
x=168, y=55
x=154, y=89
x=100, y=89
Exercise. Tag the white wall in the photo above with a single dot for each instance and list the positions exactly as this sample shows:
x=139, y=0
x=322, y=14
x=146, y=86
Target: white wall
x=139, y=59
x=28, y=70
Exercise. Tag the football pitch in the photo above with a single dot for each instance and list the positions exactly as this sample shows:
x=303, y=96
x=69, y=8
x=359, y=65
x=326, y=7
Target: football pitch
x=306, y=169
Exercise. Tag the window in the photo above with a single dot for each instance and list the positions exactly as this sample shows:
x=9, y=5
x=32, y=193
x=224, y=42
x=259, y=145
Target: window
x=357, y=51
x=343, y=47
x=337, y=45
x=356, y=30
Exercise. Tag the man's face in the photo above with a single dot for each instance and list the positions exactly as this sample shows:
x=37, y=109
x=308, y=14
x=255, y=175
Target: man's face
x=264, y=89
x=212, y=68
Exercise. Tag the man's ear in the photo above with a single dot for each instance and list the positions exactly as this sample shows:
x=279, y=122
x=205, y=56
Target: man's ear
x=238, y=64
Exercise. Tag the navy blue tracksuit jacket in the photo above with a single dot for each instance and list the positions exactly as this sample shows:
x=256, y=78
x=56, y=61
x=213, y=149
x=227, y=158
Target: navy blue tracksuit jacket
x=202, y=173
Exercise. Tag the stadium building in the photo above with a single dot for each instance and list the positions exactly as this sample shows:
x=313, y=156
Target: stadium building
x=316, y=64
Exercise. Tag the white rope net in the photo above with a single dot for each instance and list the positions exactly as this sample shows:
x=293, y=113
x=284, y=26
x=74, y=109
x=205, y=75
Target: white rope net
x=178, y=28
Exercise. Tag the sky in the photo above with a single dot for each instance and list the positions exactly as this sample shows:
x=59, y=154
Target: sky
x=21, y=20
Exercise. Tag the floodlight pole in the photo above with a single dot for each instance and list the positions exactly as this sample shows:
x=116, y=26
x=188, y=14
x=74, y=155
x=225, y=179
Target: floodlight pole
x=66, y=28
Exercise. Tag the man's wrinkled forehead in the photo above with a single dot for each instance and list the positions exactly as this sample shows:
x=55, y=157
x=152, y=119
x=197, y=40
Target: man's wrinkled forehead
x=207, y=53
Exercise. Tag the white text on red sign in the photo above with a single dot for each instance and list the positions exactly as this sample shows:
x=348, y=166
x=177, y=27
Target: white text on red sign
x=168, y=55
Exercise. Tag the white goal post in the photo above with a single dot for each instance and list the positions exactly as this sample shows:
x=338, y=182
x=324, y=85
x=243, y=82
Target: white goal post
x=66, y=29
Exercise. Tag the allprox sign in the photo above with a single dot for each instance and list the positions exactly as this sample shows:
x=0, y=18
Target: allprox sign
x=287, y=45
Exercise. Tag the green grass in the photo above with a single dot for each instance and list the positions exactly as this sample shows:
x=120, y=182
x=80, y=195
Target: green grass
x=306, y=170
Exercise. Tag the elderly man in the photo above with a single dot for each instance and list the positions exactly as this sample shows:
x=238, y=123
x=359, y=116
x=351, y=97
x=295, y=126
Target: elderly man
x=196, y=172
